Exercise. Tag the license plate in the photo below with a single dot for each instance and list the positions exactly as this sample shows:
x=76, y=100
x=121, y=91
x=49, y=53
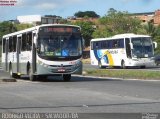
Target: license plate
x=61, y=70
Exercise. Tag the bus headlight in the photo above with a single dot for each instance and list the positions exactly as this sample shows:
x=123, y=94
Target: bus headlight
x=43, y=64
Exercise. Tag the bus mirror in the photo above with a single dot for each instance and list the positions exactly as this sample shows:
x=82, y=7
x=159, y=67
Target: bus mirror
x=131, y=46
x=155, y=45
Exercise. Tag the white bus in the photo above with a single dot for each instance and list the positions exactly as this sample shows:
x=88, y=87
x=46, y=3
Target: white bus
x=39, y=51
x=123, y=50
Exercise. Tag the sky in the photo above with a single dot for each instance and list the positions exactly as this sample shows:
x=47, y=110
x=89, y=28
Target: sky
x=65, y=8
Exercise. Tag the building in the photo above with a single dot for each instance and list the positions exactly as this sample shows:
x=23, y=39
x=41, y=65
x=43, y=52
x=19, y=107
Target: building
x=146, y=17
x=38, y=19
x=157, y=17
x=50, y=19
x=29, y=19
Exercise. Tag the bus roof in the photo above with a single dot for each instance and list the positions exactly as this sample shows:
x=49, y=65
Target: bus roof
x=119, y=36
x=35, y=28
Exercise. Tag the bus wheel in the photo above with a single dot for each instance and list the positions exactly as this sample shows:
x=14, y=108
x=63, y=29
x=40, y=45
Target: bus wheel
x=11, y=71
x=123, y=66
x=100, y=65
x=12, y=75
x=66, y=77
x=31, y=76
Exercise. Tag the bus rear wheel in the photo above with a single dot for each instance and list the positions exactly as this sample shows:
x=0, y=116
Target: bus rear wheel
x=12, y=75
x=66, y=77
x=11, y=71
x=123, y=66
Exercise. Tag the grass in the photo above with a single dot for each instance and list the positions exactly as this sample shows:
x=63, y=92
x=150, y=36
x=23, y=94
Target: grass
x=124, y=73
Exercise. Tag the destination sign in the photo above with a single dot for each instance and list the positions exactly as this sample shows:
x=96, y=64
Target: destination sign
x=60, y=29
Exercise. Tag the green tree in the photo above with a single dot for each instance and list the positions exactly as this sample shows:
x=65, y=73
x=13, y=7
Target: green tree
x=157, y=39
x=86, y=14
x=23, y=26
x=150, y=29
x=154, y=32
x=87, y=29
x=5, y=28
x=116, y=22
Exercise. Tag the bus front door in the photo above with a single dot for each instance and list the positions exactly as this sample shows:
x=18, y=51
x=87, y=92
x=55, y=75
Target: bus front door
x=19, y=44
x=6, y=54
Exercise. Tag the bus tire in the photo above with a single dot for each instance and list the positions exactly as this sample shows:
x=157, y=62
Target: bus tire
x=100, y=65
x=123, y=66
x=31, y=76
x=66, y=77
x=11, y=71
x=12, y=75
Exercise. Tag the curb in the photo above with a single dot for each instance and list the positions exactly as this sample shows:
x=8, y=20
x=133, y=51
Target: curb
x=7, y=79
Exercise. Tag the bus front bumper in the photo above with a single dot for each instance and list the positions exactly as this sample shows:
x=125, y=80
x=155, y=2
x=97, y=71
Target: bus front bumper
x=142, y=62
x=59, y=70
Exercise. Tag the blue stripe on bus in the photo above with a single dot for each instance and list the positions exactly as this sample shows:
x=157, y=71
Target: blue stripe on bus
x=98, y=55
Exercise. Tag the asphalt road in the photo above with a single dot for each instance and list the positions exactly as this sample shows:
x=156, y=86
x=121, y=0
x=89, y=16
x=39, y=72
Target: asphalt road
x=81, y=95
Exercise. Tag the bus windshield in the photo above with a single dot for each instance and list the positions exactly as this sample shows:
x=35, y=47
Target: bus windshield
x=60, y=45
x=142, y=47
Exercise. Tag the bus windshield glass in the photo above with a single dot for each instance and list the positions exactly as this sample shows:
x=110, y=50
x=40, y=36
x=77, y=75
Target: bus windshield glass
x=142, y=47
x=60, y=42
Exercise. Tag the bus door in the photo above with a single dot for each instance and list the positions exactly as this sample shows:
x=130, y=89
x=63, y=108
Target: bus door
x=128, y=48
x=33, y=51
x=19, y=44
x=6, y=53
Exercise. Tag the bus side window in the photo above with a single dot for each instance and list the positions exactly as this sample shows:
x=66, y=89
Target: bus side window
x=128, y=49
x=24, y=46
x=110, y=42
x=10, y=44
x=29, y=41
x=121, y=43
x=103, y=44
x=95, y=45
x=4, y=44
x=99, y=45
x=14, y=43
x=107, y=44
x=115, y=44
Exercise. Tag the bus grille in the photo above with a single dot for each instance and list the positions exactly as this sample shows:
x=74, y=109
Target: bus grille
x=62, y=69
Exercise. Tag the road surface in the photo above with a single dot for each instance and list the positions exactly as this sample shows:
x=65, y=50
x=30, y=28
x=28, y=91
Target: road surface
x=81, y=95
